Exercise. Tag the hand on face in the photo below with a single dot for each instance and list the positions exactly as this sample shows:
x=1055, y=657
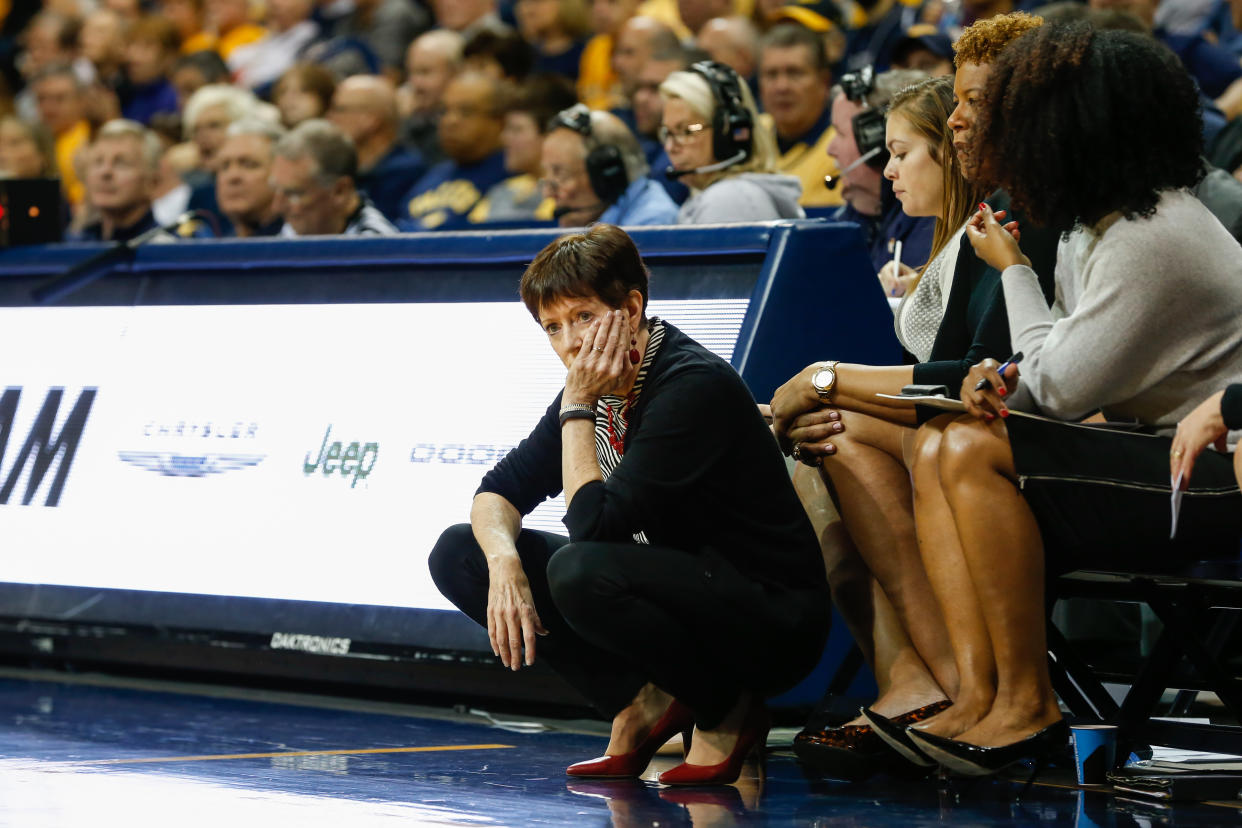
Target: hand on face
x=602, y=365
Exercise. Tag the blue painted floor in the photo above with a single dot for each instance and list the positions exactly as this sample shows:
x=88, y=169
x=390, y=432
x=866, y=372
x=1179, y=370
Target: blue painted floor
x=101, y=752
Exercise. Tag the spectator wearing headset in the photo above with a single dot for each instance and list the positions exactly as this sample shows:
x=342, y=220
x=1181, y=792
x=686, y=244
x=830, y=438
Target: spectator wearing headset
x=595, y=169
x=709, y=133
x=859, y=104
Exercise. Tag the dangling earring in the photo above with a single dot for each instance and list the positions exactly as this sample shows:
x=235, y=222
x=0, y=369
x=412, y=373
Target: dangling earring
x=634, y=355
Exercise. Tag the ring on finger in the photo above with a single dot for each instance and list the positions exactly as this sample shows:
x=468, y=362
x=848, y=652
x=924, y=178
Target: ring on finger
x=1177, y=452
x=796, y=454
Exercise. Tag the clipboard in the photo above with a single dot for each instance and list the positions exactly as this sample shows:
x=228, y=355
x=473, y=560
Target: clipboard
x=947, y=404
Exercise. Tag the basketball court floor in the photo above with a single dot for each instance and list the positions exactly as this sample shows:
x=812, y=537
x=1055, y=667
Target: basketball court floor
x=96, y=751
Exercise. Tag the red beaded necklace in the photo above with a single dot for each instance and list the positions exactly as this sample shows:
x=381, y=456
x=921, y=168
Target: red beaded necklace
x=618, y=441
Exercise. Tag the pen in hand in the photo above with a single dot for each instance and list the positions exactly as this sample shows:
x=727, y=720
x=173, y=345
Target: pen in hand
x=896, y=266
x=1013, y=360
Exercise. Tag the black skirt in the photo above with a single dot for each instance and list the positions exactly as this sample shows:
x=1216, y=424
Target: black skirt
x=1101, y=497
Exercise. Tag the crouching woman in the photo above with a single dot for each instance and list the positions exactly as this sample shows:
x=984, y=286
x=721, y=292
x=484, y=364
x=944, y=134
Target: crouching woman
x=690, y=585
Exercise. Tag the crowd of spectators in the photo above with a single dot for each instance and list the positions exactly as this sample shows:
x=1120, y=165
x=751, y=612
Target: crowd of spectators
x=446, y=105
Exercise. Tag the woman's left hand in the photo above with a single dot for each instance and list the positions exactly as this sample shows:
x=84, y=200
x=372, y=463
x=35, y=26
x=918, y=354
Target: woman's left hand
x=988, y=402
x=1197, y=430
x=993, y=242
x=795, y=397
x=602, y=366
x=812, y=433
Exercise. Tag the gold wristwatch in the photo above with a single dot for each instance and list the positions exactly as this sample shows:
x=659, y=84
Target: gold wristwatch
x=824, y=380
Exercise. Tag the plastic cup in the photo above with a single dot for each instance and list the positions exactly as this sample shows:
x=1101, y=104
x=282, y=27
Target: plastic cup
x=1095, y=752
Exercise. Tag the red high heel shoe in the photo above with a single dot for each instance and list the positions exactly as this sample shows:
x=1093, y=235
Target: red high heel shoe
x=752, y=736
x=676, y=718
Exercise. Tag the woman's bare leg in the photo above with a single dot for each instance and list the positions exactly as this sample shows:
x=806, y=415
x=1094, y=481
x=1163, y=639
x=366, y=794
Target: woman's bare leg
x=945, y=565
x=903, y=679
x=876, y=501
x=1004, y=554
x=848, y=577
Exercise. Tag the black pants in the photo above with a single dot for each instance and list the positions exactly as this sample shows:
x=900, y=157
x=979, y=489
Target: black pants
x=620, y=615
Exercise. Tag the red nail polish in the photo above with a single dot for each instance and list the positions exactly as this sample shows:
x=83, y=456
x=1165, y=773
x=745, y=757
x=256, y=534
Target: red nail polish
x=1002, y=390
x=991, y=417
x=983, y=205
x=1004, y=412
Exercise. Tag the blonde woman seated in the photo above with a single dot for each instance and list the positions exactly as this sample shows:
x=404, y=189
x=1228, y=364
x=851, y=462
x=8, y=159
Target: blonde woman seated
x=829, y=413
x=711, y=133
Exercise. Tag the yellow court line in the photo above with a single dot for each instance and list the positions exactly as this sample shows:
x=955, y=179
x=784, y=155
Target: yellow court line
x=356, y=752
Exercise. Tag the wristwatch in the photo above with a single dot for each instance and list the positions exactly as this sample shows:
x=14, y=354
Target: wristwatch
x=824, y=380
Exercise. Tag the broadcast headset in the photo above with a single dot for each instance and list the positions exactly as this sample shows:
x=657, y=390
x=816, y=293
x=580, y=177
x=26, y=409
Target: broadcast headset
x=868, y=125
x=732, y=124
x=604, y=164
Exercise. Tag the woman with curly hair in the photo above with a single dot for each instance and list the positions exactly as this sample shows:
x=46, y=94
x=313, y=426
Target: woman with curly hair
x=885, y=592
x=1149, y=290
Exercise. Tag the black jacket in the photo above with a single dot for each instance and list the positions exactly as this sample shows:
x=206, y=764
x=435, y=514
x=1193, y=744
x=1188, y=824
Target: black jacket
x=976, y=324
x=700, y=472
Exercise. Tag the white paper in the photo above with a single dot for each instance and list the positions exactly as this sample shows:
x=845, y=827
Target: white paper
x=1175, y=504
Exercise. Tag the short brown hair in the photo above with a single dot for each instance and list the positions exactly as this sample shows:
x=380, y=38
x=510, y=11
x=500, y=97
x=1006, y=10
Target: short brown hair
x=984, y=40
x=314, y=79
x=600, y=261
x=157, y=30
x=788, y=35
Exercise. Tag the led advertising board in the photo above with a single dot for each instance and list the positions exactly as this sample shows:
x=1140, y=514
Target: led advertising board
x=301, y=452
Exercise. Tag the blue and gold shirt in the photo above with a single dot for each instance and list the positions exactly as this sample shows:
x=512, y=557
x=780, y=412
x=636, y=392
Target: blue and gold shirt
x=444, y=197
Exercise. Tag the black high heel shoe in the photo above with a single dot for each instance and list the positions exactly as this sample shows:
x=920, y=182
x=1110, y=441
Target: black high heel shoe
x=893, y=732
x=975, y=760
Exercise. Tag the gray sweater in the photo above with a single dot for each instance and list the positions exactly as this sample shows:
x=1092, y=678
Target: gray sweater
x=1147, y=320
x=744, y=197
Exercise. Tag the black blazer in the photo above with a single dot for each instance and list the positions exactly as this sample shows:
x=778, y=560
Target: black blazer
x=976, y=324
